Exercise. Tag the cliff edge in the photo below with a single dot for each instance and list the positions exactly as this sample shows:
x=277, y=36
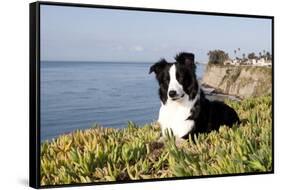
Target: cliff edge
x=241, y=81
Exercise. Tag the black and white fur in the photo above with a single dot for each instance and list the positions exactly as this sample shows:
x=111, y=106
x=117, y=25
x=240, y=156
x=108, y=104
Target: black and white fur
x=184, y=108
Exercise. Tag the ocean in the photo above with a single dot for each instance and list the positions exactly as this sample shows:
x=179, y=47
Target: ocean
x=78, y=95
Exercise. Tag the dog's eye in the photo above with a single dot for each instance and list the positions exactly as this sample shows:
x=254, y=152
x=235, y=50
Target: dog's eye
x=179, y=77
x=166, y=79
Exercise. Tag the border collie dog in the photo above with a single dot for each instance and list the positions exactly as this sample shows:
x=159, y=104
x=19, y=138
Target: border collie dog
x=184, y=108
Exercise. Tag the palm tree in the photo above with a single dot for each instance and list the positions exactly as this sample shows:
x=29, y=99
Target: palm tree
x=235, y=52
x=238, y=52
x=244, y=56
x=268, y=56
x=260, y=55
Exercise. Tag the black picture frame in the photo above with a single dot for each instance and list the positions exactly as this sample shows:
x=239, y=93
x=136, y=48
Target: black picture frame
x=34, y=88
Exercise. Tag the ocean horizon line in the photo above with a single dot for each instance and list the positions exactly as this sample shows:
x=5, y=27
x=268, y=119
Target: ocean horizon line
x=126, y=62
x=88, y=61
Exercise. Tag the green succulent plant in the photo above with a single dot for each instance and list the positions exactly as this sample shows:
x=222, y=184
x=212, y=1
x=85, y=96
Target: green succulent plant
x=134, y=152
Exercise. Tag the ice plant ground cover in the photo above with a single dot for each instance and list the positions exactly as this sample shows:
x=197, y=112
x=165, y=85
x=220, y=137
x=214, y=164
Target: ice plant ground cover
x=134, y=153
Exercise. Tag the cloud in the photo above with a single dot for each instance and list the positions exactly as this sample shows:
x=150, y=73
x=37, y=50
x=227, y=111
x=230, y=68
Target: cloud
x=138, y=48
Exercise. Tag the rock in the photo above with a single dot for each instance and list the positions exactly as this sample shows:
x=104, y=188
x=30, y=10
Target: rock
x=241, y=81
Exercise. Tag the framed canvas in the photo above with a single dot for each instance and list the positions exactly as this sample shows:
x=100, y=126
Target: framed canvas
x=123, y=94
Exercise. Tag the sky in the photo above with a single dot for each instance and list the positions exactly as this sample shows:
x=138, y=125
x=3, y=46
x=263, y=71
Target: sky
x=92, y=34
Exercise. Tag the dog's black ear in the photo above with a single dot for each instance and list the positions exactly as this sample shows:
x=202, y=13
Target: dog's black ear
x=186, y=59
x=158, y=66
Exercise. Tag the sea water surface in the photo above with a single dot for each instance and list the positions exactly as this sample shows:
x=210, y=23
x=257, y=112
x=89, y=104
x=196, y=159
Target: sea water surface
x=77, y=95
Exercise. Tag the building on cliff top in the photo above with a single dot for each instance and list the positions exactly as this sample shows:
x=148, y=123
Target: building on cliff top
x=250, y=62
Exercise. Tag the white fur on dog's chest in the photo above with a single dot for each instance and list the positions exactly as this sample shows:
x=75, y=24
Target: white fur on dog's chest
x=173, y=116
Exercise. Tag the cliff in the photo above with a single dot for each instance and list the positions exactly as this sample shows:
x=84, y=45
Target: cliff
x=241, y=81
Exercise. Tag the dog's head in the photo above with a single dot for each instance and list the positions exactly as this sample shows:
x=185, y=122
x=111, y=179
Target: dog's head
x=176, y=80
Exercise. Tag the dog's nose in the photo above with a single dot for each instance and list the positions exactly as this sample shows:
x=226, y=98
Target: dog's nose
x=172, y=93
